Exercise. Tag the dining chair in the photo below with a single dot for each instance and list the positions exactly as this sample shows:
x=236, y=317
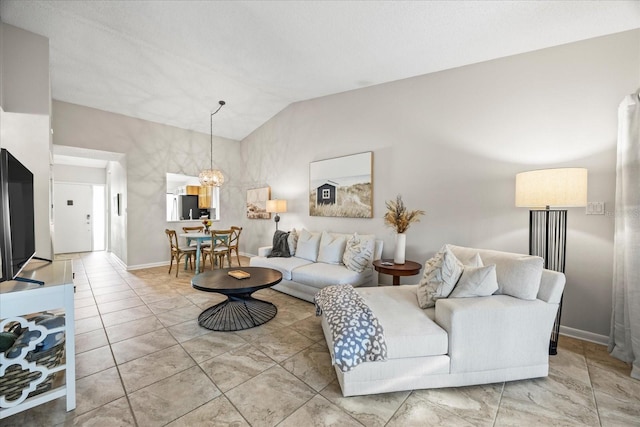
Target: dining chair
x=178, y=252
x=196, y=229
x=219, y=248
x=234, y=241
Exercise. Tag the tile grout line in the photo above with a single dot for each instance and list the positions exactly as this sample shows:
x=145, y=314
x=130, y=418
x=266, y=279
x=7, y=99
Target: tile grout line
x=222, y=393
x=126, y=395
x=593, y=390
x=495, y=416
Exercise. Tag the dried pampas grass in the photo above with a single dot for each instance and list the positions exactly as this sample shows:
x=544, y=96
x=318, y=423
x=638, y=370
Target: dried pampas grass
x=398, y=217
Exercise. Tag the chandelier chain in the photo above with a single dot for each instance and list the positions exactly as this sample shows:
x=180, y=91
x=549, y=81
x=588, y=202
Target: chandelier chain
x=211, y=177
x=211, y=133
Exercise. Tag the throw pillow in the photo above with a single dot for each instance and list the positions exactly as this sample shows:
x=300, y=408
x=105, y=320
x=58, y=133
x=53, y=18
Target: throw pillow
x=476, y=261
x=476, y=282
x=331, y=248
x=441, y=273
x=518, y=275
x=292, y=241
x=358, y=252
x=308, y=244
x=472, y=260
x=280, y=247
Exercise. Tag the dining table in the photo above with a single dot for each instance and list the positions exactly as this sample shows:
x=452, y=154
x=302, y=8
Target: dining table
x=199, y=238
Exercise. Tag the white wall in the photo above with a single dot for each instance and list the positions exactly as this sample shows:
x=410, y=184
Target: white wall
x=25, y=120
x=151, y=151
x=26, y=136
x=452, y=142
x=117, y=224
x=25, y=71
x=82, y=174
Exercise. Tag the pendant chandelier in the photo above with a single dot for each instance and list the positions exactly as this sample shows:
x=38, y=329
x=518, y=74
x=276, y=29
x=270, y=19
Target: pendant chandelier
x=212, y=177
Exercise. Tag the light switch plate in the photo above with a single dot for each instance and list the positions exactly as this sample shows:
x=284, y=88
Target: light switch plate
x=595, y=208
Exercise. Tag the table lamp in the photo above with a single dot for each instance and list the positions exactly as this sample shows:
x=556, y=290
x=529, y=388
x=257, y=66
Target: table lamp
x=543, y=191
x=276, y=206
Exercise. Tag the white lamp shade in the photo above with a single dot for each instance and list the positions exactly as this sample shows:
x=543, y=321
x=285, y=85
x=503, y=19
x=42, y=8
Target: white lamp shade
x=276, y=206
x=566, y=187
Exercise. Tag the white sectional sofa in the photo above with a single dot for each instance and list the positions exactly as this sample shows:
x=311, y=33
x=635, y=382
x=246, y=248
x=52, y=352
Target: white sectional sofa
x=461, y=341
x=304, y=277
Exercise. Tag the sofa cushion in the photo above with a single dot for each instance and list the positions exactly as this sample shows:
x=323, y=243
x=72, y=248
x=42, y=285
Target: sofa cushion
x=320, y=275
x=358, y=253
x=308, y=245
x=441, y=273
x=476, y=282
x=408, y=330
x=518, y=275
x=284, y=265
x=292, y=241
x=332, y=247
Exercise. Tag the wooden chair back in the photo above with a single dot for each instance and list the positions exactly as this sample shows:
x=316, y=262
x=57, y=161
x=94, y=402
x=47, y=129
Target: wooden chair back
x=176, y=252
x=197, y=229
x=220, y=239
x=173, y=239
x=234, y=240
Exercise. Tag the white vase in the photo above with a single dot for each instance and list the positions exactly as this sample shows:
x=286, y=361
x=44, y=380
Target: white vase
x=401, y=242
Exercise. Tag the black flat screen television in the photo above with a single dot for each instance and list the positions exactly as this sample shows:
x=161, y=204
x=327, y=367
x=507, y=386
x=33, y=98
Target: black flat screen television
x=17, y=226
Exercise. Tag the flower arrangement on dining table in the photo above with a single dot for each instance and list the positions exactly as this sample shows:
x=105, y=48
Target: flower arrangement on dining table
x=207, y=223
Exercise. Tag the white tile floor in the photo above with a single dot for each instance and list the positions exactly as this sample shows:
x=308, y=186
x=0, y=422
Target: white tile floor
x=143, y=360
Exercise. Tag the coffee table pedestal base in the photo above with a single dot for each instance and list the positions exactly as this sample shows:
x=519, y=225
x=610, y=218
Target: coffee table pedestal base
x=237, y=313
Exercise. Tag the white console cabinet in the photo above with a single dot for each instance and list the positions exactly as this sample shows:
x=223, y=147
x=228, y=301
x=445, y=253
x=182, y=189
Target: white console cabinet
x=19, y=299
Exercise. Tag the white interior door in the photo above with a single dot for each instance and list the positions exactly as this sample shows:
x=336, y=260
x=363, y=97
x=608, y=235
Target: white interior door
x=73, y=206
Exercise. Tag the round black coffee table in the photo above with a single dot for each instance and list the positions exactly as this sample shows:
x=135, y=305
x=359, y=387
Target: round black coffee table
x=240, y=310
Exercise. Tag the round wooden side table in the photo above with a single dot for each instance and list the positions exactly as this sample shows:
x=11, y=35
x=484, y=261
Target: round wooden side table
x=409, y=268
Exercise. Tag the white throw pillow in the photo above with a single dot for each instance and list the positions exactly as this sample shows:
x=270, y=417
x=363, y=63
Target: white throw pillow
x=331, y=248
x=476, y=282
x=292, y=241
x=358, y=253
x=308, y=244
x=474, y=261
x=441, y=273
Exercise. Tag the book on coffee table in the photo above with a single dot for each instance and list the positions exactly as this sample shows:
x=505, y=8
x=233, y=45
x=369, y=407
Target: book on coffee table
x=239, y=274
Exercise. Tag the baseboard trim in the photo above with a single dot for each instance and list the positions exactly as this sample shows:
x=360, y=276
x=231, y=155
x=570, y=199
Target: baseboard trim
x=116, y=259
x=584, y=335
x=160, y=264
x=150, y=265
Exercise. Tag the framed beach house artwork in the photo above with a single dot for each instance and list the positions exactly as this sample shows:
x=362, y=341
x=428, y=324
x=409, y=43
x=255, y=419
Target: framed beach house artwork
x=257, y=203
x=342, y=187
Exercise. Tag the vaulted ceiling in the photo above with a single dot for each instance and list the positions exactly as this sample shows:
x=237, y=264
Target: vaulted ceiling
x=171, y=61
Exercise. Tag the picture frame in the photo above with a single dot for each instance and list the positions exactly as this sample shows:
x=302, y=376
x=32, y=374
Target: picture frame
x=342, y=186
x=257, y=203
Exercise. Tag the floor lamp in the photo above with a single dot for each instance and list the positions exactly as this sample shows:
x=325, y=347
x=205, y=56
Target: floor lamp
x=276, y=206
x=541, y=190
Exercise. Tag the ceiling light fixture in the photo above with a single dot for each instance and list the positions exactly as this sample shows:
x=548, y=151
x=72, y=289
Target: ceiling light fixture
x=212, y=177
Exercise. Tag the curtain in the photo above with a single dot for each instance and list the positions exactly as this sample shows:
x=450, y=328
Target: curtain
x=624, y=340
